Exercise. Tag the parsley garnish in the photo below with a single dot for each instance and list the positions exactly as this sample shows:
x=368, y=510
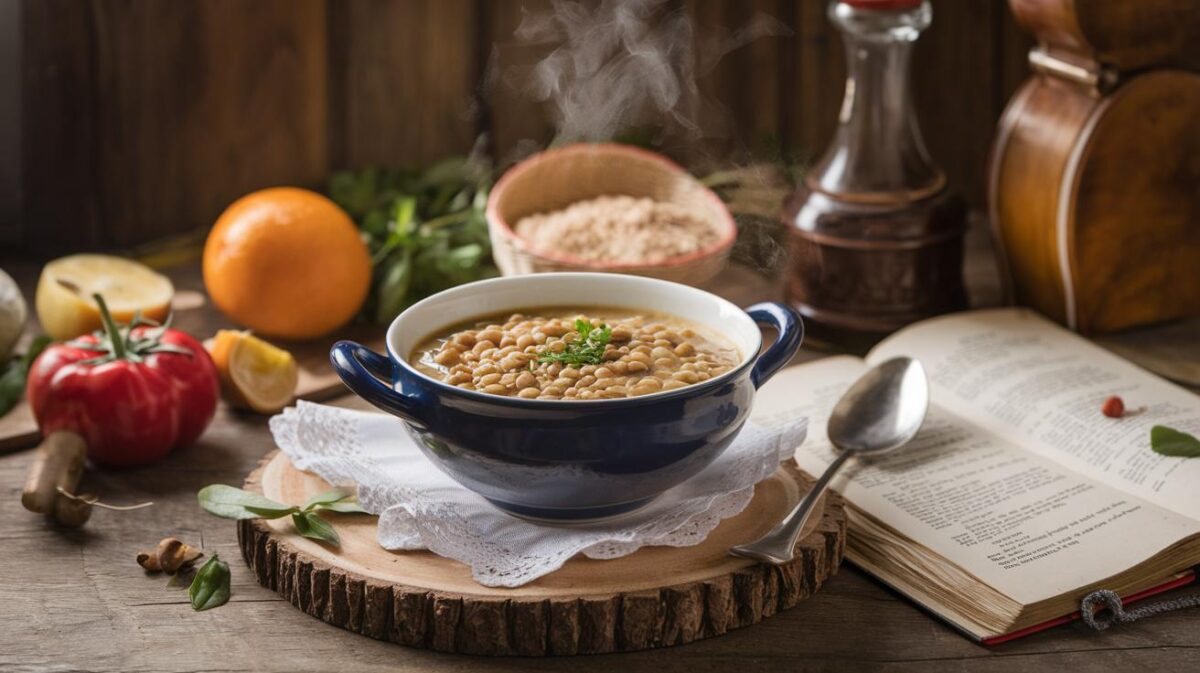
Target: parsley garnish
x=588, y=349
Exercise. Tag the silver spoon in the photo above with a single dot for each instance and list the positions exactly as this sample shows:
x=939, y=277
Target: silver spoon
x=881, y=412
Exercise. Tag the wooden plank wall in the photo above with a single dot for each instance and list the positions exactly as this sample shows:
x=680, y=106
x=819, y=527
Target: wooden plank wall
x=142, y=118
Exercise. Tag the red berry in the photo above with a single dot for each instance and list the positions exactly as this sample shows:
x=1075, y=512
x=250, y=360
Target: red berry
x=1114, y=407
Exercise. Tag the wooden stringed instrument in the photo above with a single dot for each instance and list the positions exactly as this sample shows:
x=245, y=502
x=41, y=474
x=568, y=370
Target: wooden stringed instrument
x=1094, y=185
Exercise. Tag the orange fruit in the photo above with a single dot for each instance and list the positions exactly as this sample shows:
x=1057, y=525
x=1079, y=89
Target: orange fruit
x=286, y=262
x=254, y=374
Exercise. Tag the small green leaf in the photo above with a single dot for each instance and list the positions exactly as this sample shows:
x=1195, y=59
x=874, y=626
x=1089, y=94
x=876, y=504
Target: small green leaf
x=393, y=287
x=345, y=507
x=312, y=526
x=234, y=503
x=36, y=347
x=12, y=380
x=1172, y=442
x=273, y=512
x=326, y=498
x=210, y=586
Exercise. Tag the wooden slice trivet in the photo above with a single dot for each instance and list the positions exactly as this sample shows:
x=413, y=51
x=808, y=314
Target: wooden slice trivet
x=655, y=597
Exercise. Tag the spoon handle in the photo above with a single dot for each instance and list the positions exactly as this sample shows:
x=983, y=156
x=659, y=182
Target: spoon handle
x=777, y=545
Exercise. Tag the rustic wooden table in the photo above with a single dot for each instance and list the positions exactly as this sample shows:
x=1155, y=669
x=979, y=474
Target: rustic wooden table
x=75, y=600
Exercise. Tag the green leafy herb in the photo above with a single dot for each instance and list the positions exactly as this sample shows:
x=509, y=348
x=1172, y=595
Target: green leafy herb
x=345, y=507
x=336, y=500
x=326, y=498
x=12, y=380
x=425, y=230
x=1172, y=442
x=210, y=586
x=588, y=349
x=235, y=503
x=312, y=526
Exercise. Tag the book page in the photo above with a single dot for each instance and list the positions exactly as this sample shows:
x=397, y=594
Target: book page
x=1023, y=524
x=1033, y=382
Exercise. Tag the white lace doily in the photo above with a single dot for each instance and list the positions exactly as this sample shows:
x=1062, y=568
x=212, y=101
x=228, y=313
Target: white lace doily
x=420, y=507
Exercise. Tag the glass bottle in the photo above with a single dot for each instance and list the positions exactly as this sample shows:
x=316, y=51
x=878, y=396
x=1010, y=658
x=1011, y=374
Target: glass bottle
x=876, y=239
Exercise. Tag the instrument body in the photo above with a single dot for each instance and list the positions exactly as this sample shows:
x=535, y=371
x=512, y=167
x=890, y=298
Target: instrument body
x=1094, y=185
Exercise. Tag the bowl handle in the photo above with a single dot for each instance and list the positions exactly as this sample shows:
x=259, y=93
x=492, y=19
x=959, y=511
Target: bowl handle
x=789, y=330
x=369, y=375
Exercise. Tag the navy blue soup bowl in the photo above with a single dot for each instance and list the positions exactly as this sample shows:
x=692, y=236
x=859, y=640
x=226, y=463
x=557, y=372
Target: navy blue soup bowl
x=560, y=460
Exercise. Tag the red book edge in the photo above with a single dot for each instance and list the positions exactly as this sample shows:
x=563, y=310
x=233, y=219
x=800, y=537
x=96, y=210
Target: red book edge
x=1132, y=598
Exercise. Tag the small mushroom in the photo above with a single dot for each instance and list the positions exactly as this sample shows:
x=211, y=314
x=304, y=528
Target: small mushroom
x=170, y=556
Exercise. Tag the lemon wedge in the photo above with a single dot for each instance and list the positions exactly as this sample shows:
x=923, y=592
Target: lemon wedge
x=254, y=374
x=64, y=300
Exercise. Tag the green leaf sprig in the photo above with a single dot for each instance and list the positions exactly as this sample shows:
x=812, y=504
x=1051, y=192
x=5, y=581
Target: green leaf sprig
x=12, y=380
x=588, y=349
x=1175, y=443
x=425, y=229
x=235, y=503
x=210, y=586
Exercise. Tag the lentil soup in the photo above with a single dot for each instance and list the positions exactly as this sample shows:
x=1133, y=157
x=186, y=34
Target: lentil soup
x=561, y=353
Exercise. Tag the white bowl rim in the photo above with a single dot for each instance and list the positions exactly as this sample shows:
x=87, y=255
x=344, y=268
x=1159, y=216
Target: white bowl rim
x=748, y=358
x=728, y=225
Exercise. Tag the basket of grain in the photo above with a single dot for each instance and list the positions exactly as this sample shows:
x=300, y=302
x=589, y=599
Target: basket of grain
x=608, y=207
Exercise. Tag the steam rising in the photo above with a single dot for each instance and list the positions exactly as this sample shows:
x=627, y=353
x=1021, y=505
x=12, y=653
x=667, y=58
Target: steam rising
x=625, y=64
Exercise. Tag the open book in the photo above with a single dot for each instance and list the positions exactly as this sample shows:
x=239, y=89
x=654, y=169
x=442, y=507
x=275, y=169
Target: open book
x=1018, y=496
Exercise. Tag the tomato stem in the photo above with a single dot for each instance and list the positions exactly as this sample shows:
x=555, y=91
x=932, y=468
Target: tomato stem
x=110, y=327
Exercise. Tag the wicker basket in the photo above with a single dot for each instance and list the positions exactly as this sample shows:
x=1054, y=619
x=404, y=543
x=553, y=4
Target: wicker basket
x=556, y=178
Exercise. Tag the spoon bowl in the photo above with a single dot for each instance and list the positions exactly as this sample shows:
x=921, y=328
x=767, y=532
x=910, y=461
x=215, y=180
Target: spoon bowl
x=880, y=412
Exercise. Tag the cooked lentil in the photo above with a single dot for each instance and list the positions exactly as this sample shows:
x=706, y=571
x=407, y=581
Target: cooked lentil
x=648, y=353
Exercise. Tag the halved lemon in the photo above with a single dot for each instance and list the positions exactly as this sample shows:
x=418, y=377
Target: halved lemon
x=64, y=300
x=254, y=374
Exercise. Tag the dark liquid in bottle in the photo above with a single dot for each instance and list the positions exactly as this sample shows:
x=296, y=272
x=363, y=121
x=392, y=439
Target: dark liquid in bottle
x=862, y=270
